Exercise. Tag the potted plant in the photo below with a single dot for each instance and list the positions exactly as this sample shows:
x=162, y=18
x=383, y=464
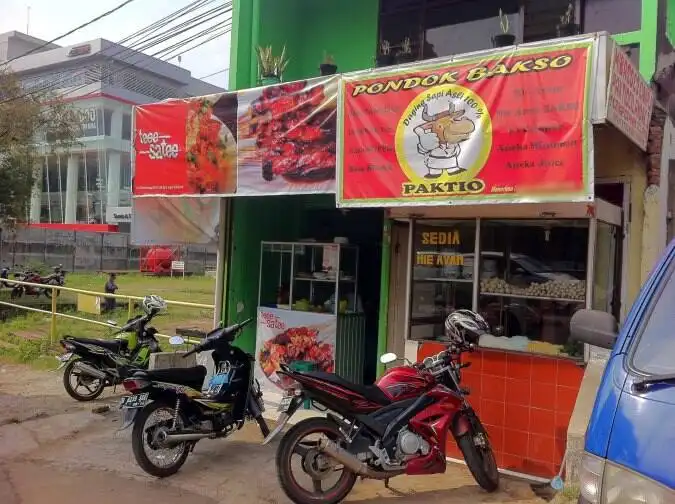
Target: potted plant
x=271, y=67
x=567, y=26
x=405, y=55
x=328, y=67
x=385, y=57
x=504, y=39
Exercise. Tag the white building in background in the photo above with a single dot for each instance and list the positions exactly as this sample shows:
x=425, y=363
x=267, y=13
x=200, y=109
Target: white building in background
x=92, y=182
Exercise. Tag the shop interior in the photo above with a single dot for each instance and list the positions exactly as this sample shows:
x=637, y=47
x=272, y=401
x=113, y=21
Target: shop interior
x=531, y=276
x=327, y=261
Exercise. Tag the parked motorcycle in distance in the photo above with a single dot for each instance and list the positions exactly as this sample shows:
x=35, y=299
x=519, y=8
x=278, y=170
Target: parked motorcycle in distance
x=232, y=397
x=398, y=426
x=95, y=364
x=57, y=278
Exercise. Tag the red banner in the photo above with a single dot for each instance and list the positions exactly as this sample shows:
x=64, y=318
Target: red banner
x=186, y=147
x=512, y=127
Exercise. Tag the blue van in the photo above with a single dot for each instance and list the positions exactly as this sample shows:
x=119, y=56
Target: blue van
x=629, y=456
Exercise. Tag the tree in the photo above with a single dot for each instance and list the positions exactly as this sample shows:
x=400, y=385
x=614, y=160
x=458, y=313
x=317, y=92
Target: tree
x=29, y=120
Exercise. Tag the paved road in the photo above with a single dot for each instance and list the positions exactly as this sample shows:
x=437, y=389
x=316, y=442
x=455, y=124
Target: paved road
x=55, y=451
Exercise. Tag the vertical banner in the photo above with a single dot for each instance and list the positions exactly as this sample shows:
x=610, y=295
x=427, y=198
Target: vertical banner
x=502, y=127
x=286, y=138
x=286, y=337
x=186, y=147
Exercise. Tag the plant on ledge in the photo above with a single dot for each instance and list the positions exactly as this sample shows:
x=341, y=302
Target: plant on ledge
x=328, y=67
x=567, y=26
x=385, y=57
x=405, y=55
x=271, y=67
x=504, y=39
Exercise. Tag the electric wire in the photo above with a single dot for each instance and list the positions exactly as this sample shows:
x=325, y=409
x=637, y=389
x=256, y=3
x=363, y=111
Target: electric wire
x=114, y=56
x=91, y=21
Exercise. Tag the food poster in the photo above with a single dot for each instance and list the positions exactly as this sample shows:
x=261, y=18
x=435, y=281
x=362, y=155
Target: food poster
x=511, y=126
x=158, y=220
x=186, y=147
x=285, y=336
x=286, y=138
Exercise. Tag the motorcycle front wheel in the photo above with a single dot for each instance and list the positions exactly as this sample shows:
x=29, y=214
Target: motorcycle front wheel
x=155, y=459
x=93, y=386
x=479, y=457
x=317, y=467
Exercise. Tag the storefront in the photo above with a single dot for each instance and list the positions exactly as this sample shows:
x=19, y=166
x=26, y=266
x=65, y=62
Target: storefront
x=509, y=182
x=531, y=210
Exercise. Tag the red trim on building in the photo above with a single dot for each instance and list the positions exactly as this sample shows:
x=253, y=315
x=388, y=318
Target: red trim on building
x=525, y=402
x=95, y=228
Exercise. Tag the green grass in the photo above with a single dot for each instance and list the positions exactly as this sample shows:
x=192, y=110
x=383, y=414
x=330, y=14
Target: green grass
x=25, y=338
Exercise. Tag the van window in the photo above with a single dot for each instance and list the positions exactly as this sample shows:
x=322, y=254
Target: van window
x=655, y=350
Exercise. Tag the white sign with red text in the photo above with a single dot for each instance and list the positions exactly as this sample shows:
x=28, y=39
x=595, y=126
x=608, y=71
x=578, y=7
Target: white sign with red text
x=629, y=99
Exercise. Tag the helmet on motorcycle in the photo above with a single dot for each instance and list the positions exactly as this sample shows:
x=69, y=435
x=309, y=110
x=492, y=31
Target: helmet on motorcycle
x=153, y=304
x=461, y=322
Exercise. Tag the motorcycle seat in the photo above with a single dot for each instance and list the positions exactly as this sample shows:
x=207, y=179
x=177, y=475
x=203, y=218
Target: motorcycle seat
x=192, y=377
x=116, y=346
x=370, y=392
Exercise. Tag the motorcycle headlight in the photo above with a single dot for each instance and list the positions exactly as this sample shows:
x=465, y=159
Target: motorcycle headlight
x=603, y=482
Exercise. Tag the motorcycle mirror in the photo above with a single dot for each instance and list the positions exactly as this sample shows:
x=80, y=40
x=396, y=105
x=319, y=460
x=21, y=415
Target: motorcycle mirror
x=388, y=358
x=111, y=322
x=176, y=341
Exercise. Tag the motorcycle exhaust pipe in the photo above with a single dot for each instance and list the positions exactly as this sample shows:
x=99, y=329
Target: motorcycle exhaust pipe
x=90, y=370
x=174, y=439
x=352, y=463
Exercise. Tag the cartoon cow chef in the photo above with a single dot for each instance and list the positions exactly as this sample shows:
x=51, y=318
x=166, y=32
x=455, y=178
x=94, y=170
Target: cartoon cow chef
x=439, y=138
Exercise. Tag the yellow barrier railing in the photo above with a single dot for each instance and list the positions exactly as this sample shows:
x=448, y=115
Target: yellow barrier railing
x=55, y=313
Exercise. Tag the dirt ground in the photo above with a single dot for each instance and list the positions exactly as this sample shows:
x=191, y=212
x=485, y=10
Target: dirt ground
x=54, y=450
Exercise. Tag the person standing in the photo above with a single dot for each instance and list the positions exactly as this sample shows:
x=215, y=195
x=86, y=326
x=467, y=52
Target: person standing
x=110, y=288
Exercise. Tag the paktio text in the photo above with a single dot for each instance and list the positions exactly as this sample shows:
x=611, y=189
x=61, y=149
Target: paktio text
x=501, y=68
x=475, y=186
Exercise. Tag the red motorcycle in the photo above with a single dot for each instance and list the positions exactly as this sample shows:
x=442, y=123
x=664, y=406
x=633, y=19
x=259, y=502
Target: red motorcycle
x=400, y=425
x=57, y=278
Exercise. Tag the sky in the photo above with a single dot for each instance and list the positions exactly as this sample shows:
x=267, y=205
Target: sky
x=49, y=19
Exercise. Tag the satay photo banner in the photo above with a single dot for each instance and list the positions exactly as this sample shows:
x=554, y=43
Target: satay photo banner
x=271, y=140
x=503, y=127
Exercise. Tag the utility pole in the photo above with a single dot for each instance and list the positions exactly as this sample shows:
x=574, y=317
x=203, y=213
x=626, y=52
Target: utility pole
x=27, y=19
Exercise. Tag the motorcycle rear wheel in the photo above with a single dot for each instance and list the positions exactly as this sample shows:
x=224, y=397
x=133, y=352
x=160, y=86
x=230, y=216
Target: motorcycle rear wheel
x=72, y=392
x=480, y=460
x=138, y=437
x=287, y=448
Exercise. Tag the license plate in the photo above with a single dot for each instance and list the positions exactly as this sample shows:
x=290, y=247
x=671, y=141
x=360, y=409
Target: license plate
x=134, y=401
x=65, y=357
x=285, y=404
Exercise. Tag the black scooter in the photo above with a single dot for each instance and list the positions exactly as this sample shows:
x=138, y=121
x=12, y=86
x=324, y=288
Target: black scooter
x=94, y=364
x=232, y=397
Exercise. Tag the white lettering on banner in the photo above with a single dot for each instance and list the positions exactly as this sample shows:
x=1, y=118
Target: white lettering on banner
x=157, y=146
x=629, y=99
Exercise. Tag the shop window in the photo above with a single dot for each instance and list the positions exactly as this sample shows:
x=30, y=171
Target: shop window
x=532, y=280
x=126, y=126
x=442, y=274
x=614, y=16
x=467, y=26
